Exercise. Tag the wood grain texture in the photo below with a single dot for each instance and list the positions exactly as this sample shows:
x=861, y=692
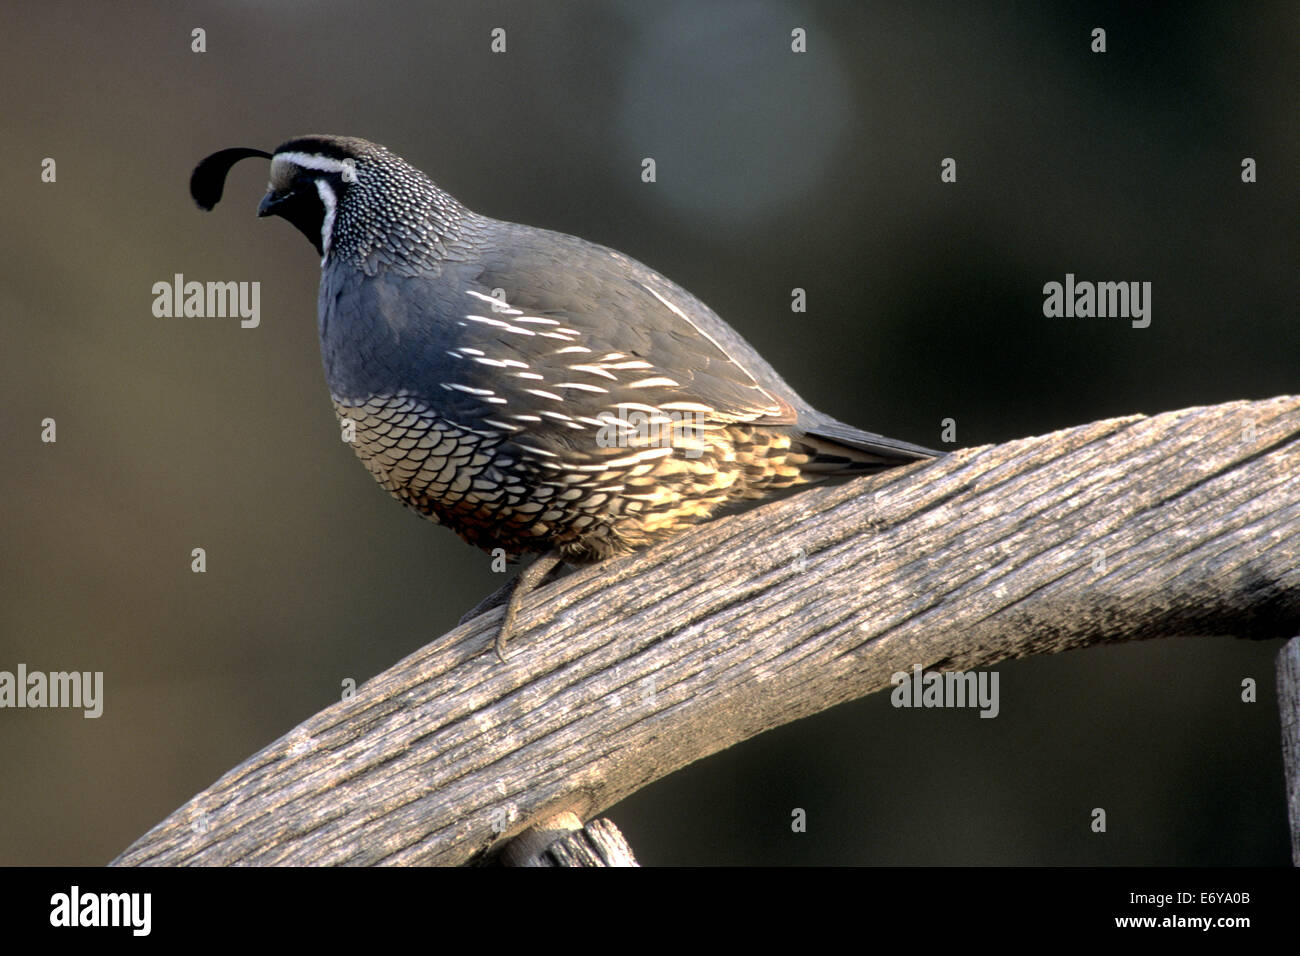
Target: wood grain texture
x=1182, y=523
x=599, y=843
x=1288, y=703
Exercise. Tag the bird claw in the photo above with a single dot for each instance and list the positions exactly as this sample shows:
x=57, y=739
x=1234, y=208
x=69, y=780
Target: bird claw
x=512, y=595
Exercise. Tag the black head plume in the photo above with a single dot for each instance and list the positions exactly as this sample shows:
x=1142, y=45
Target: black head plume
x=208, y=180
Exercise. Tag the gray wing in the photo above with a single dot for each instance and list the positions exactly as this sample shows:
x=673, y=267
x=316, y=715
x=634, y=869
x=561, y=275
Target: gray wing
x=542, y=337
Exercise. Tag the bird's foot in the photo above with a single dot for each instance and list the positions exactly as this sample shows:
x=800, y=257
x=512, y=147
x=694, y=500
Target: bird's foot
x=512, y=595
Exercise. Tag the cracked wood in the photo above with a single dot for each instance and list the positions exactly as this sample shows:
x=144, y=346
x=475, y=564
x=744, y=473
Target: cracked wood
x=1183, y=523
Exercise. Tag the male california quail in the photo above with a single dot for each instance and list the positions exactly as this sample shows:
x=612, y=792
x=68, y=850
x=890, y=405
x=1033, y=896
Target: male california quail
x=530, y=390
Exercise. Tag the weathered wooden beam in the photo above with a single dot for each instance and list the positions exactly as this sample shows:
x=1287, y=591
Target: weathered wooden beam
x=1183, y=523
x=1288, y=704
x=563, y=841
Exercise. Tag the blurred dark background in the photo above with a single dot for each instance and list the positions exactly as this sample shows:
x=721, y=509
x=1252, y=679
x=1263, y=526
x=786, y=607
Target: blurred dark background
x=775, y=170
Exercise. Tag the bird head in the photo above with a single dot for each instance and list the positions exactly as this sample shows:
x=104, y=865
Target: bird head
x=341, y=191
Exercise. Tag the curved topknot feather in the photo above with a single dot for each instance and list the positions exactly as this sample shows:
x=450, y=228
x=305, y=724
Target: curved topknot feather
x=208, y=181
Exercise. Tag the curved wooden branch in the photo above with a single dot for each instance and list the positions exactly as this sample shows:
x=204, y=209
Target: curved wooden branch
x=1186, y=522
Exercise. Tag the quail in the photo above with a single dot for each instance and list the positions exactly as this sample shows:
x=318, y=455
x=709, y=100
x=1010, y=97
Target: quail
x=530, y=390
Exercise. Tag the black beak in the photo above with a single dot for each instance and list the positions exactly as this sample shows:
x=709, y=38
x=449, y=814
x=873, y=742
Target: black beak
x=267, y=206
x=208, y=180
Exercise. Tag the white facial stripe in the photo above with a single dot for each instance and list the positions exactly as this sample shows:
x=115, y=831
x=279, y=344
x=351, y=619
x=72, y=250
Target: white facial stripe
x=327, y=200
x=325, y=164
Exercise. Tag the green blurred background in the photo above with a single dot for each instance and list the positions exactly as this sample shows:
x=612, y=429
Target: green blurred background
x=775, y=171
